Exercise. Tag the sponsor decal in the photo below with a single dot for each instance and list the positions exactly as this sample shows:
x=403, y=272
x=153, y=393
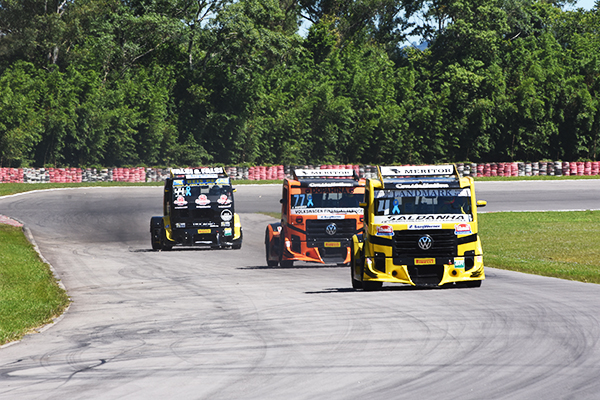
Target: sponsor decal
x=225, y=223
x=226, y=215
x=202, y=200
x=416, y=227
x=462, y=229
x=180, y=225
x=203, y=230
x=309, y=211
x=466, y=192
x=197, y=171
x=330, y=185
x=407, y=218
x=385, y=230
x=205, y=224
x=315, y=173
x=227, y=231
x=319, y=190
x=330, y=217
x=479, y=259
x=177, y=182
x=417, y=170
x=459, y=262
x=224, y=199
x=222, y=181
x=333, y=244
x=421, y=185
x=424, y=261
x=180, y=201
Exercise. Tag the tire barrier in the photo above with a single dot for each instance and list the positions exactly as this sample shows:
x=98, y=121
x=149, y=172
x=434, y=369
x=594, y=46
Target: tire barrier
x=279, y=172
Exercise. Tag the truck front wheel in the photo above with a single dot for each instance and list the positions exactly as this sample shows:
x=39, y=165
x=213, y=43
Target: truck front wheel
x=356, y=284
x=165, y=245
x=371, y=286
x=270, y=263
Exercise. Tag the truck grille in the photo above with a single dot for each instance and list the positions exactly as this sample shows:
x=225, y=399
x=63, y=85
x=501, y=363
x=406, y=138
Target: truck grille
x=444, y=243
x=318, y=228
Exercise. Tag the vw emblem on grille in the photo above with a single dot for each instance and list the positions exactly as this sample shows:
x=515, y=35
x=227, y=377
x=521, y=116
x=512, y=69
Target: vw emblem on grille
x=331, y=229
x=425, y=242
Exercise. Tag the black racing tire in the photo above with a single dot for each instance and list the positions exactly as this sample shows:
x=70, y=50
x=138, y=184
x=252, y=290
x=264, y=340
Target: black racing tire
x=270, y=263
x=356, y=284
x=371, y=286
x=287, y=263
x=155, y=246
x=165, y=245
x=237, y=243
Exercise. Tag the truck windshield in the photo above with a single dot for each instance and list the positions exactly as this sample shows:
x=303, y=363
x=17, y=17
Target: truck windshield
x=201, y=196
x=324, y=201
x=423, y=201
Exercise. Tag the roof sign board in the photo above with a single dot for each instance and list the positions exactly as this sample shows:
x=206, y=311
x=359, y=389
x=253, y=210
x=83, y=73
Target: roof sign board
x=198, y=173
x=324, y=173
x=419, y=170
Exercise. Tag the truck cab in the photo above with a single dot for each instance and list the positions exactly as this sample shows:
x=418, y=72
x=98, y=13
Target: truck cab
x=198, y=210
x=320, y=212
x=420, y=229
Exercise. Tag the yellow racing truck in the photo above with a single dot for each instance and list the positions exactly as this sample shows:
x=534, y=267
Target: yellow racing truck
x=198, y=208
x=420, y=228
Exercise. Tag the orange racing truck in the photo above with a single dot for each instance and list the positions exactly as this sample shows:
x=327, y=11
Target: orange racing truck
x=420, y=229
x=198, y=208
x=320, y=212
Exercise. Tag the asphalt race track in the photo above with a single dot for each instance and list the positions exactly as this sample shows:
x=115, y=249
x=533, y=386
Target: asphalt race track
x=219, y=324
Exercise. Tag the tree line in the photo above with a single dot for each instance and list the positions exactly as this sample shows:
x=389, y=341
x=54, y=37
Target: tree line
x=195, y=82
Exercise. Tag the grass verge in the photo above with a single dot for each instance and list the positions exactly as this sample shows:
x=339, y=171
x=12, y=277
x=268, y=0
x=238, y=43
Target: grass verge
x=29, y=294
x=560, y=244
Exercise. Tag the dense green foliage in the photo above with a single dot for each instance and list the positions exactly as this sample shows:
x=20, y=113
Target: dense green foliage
x=190, y=82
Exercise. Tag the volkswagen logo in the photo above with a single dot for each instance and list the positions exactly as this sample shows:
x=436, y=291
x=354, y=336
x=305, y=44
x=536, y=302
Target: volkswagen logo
x=425, y=242
x=331, y=229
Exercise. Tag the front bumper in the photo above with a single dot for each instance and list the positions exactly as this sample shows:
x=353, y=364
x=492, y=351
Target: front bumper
x=424, y=271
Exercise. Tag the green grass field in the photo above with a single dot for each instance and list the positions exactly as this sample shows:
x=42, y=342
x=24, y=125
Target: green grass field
x=560, y=244
x=29, y=293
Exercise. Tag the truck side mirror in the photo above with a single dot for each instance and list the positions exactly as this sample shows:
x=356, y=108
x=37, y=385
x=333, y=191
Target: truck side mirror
x=481, y=203
x=281, y=201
